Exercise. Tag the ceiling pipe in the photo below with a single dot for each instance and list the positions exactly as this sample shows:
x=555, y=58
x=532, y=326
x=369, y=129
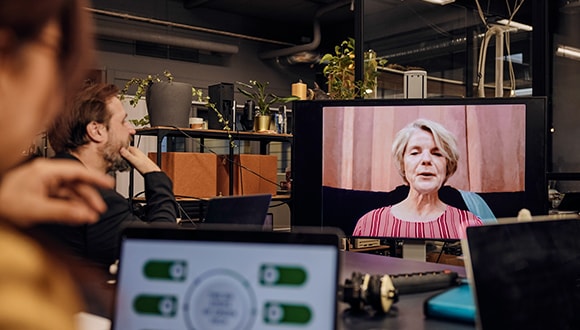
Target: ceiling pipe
x=166, y=39
x=191, y=4
x=316, y=35
x=183, y=26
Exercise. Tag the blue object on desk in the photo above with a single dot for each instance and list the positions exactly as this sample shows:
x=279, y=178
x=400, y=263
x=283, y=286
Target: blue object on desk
x=455, y=304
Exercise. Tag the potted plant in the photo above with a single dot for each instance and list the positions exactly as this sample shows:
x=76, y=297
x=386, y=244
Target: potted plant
x=339, y=71
x=256, y=92
x=145, y=84
x=168, y=102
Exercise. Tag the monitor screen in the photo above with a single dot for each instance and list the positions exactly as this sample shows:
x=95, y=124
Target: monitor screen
x=343, y=166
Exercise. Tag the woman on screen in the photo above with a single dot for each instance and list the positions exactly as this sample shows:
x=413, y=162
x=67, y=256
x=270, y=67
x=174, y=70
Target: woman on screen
x=426, y=156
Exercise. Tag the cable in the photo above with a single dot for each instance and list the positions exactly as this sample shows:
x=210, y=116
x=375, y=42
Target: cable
x=433, y=26
x=481, y=15
x=495, y=30
x=190, y=197
x=183, y=212
x=138, y=141
x=507, y=44
x=441, y=252
x=280, y=204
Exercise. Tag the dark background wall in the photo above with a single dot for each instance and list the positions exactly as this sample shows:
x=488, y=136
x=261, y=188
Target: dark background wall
x=122, y=58
x=258, y=27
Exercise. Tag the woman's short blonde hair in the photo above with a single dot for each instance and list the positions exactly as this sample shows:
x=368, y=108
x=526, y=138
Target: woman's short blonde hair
x=444, y=140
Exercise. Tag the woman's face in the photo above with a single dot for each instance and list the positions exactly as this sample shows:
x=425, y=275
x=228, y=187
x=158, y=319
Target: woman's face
x=425, y=166
x=30, y=93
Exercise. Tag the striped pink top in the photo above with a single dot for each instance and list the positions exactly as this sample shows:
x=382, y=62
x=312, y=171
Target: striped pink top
x=449, y=225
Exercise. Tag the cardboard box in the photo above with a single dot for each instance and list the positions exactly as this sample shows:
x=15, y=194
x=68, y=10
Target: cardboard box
x=193, y=174
x=253, y=174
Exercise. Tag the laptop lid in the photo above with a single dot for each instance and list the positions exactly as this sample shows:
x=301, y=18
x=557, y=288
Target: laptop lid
x=215, y=278
x=239, y=210
x=525, y=275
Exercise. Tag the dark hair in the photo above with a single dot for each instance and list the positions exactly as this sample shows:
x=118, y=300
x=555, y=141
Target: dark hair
x=69, y=130
x=23, y=21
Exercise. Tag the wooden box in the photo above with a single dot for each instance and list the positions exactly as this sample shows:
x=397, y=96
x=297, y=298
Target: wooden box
x=253, y=174
x=193, y=174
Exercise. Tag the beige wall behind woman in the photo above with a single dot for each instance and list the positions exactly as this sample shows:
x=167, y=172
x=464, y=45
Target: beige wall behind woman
x=491, y=142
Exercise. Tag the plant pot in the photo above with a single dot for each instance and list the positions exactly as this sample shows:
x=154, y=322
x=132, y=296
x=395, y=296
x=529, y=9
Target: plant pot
x=169, y=104
x=262, y=123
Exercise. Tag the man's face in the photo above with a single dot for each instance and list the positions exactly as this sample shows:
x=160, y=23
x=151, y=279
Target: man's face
x=120, y=133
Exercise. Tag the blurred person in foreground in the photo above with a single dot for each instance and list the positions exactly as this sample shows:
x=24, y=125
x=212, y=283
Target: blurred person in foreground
x=95, y=131
x=426, y=156
x=45, y=49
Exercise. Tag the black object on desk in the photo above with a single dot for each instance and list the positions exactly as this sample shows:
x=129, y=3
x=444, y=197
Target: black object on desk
x=378, y=292
x=242, y=210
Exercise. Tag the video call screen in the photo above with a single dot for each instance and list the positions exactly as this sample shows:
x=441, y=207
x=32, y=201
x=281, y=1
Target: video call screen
x=501, y=144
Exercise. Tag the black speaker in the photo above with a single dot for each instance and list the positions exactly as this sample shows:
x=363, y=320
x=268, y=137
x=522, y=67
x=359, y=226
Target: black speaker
x=222, y=95
x=247, y=117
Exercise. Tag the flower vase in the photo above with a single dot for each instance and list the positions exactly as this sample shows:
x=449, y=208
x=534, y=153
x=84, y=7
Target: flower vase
x=169, y=104
x=262, y=123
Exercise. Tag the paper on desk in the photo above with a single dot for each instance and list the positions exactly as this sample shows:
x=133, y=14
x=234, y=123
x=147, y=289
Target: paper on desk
x=87, y=321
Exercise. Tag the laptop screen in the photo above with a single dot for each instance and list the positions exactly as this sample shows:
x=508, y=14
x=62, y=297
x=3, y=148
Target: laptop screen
x=239, y=210
x=219, y=279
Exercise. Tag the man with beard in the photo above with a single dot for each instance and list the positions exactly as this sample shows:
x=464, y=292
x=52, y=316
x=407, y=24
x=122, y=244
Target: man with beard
x=94, y=131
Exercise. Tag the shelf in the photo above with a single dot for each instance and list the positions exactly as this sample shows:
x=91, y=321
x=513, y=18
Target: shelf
x=214, y=134
x=161, y=132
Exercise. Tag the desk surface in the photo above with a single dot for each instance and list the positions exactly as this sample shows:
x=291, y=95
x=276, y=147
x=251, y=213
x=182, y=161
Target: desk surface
x=407, y=313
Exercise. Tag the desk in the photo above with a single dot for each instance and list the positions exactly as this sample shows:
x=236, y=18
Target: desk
x=407, y=313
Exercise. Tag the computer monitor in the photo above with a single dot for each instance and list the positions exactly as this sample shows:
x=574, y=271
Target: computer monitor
x=342, y=165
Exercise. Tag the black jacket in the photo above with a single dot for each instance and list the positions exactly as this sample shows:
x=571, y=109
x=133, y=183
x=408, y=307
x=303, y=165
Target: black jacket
x=98, y=242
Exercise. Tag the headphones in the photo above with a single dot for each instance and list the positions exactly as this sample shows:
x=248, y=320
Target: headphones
x=365, y=291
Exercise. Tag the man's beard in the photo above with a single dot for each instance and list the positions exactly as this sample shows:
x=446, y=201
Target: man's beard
x=115, y=160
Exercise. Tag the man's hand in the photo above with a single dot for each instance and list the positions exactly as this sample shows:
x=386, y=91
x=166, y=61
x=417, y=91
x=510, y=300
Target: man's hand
x=46, y=190
x=139, y=160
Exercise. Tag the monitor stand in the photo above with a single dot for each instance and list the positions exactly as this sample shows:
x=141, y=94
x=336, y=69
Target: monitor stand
x=414, y=250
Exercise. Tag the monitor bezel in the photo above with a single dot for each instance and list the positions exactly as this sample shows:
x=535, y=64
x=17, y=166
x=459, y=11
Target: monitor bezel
x=306, y=162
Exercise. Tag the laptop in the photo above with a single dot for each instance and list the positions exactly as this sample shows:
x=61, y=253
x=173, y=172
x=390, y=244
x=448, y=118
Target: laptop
x=216, y=278
x=246, y=210
x=525, y=275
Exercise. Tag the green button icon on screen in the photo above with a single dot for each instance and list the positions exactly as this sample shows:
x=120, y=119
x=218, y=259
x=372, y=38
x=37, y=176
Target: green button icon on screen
x=160, y=305
x=169, y=270
x=283, y=313
x=276, y=275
